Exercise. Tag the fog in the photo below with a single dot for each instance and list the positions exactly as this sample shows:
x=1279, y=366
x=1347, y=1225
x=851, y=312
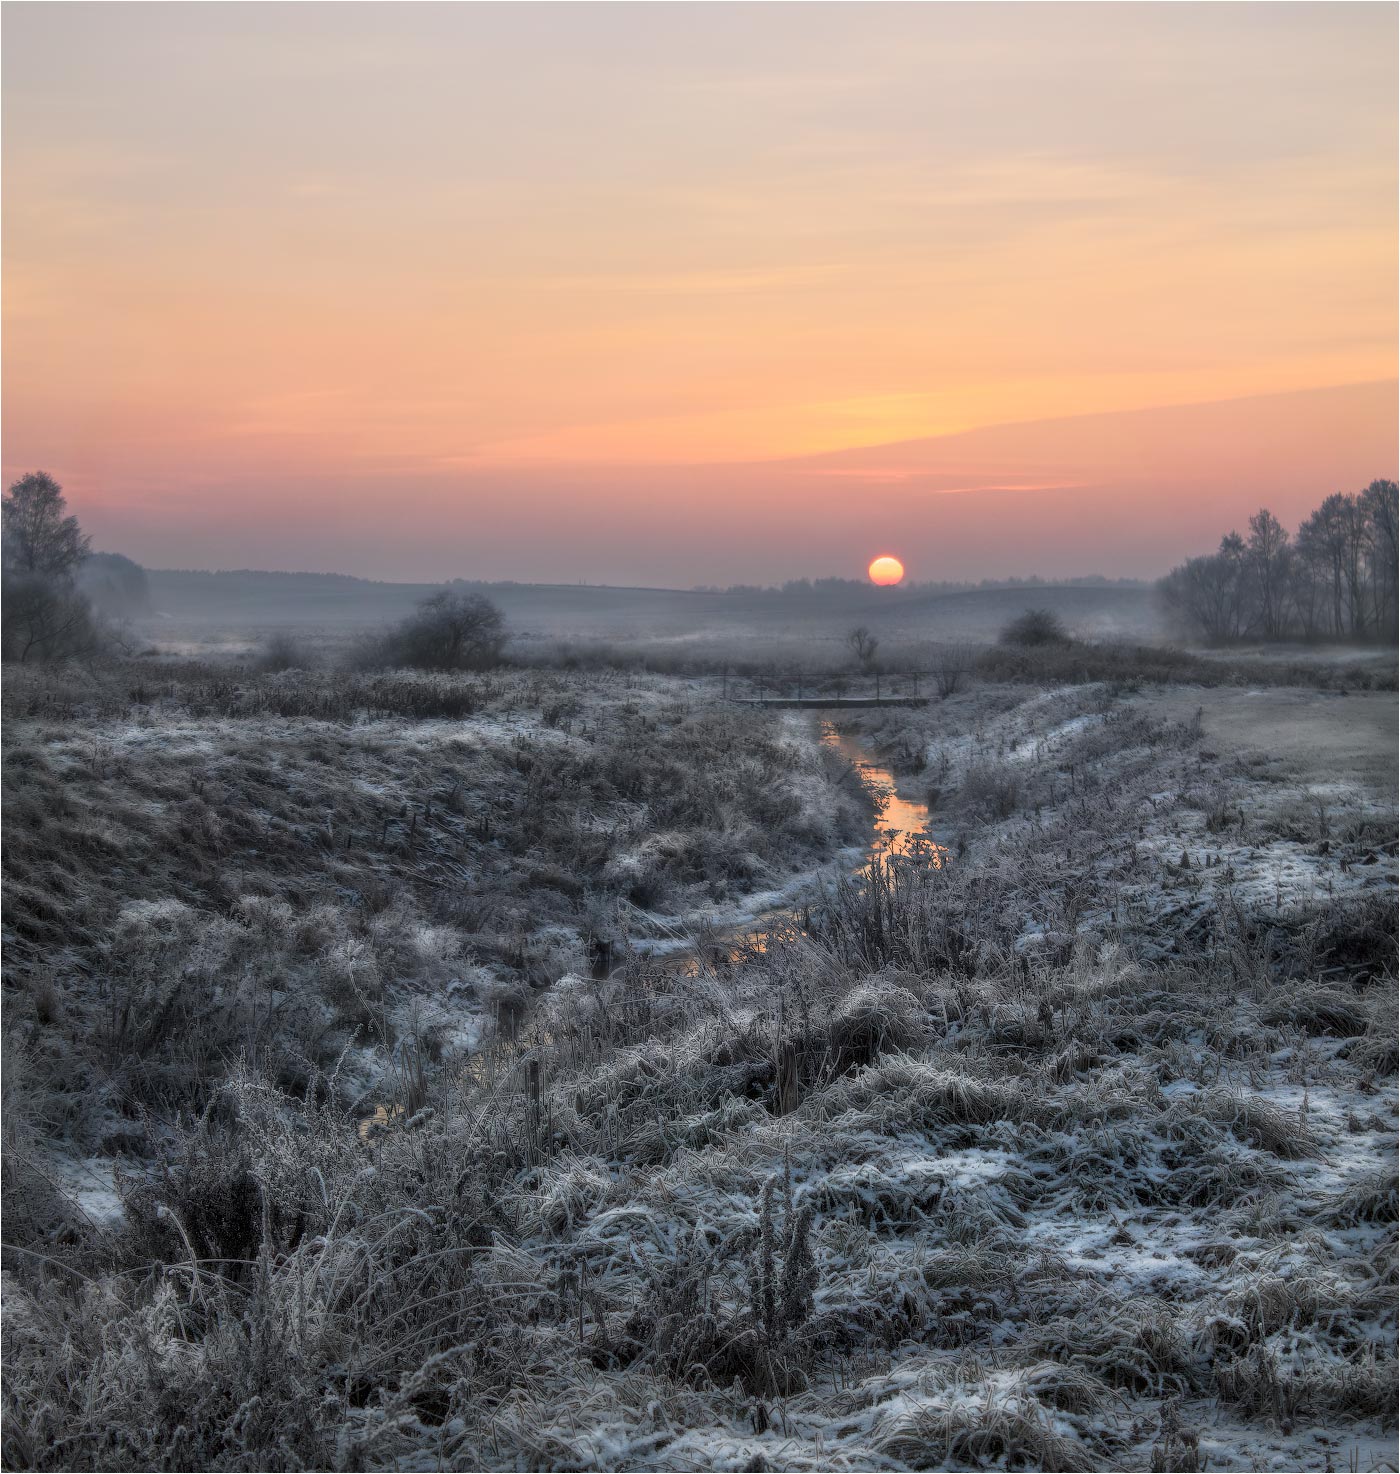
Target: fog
x=197, y=609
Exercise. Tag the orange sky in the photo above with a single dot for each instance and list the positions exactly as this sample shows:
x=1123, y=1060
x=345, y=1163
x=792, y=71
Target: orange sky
x=573, y=291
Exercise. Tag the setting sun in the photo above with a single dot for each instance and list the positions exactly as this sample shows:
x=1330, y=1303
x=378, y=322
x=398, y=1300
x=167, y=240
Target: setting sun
x=886, y=570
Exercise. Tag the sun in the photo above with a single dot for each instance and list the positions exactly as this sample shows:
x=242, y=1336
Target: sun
x=886, y=570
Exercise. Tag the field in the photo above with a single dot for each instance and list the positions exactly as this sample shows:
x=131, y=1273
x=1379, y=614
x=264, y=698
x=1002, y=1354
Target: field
x=195, y=611
x=389, y=1082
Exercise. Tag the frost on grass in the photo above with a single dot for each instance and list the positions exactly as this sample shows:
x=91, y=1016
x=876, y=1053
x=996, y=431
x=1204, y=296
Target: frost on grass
x=902, y=1190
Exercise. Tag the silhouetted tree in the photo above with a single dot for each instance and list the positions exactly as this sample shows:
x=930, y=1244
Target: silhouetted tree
x=1202, y=596
x=1382, y=501
x=1035, y=627
x=1270, y=559
x=45, y=617
x=450, y=631
x=863, y=645
x=1337, y=579
x=1324, y=538
x=40, y=536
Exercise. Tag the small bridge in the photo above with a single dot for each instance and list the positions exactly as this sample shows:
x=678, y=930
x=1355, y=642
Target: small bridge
x=822, y=703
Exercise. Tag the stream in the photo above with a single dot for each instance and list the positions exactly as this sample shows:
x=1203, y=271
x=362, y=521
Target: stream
x=901, y=828
x=901, y=825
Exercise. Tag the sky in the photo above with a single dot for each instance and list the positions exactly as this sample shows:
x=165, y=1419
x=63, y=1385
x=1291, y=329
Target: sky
x=677, y=294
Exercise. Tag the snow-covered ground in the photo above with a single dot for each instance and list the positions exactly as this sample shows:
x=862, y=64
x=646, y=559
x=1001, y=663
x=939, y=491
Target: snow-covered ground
x=1075, y=1152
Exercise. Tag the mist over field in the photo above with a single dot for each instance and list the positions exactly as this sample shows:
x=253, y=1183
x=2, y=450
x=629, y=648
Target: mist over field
x=240, y=608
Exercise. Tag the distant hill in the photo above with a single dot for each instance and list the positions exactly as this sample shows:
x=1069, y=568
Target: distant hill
x=249, y=602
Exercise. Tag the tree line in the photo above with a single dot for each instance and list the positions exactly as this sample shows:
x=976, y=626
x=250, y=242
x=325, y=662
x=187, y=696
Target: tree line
x=60, y=600
x=835, y=586
x=1336, y=579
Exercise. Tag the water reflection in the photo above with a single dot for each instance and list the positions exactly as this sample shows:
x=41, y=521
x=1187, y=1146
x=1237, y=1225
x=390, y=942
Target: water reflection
x=901, y=825
x=900, y=832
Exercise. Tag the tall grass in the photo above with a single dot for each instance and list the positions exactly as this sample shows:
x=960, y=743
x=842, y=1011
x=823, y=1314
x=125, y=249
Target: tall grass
x=986, y=1163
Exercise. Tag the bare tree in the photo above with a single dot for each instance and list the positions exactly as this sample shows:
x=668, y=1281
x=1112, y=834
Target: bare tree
x=1238, y=584
x=1356, y=545
x=45, y=619
x=1382, y=503
x=863, y=646
x=1310, y=582
x=1270, y=557
x=40, y=536
x=1203, y=596
x=1324, y=538
x=449, y=631
x=952, y=667
x=1035, y=627
x=1337, y=579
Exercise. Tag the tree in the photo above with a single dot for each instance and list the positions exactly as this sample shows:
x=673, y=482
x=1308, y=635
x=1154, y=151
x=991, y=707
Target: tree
x=1357, y=548
x=1270, y=562
x=1237, y=584
x=1337, y=579
x=951, y=667
x=1311, y=597
x=1035, y=627
x=450, y=631
x=1381, y=501
x=863, y=645
x=1323, y=537
x=45, y=619
x=40, y=537
x=1202, y=596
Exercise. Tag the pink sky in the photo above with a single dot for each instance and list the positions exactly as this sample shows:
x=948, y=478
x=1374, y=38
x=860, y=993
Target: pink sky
x=678, y=294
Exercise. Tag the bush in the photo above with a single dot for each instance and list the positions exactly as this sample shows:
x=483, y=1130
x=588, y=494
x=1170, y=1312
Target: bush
x=448, y=631
x=46, y=619
x=282, y=652
x=1035, y=627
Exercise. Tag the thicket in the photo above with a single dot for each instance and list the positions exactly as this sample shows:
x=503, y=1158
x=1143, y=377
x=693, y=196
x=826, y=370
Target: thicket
x=1335, y=579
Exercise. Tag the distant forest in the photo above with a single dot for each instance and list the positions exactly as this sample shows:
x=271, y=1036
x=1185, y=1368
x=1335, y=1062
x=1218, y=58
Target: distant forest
x=1335, y=580
x=804, y=586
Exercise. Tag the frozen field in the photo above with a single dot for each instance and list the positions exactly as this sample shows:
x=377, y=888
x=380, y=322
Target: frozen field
x=346, y=1128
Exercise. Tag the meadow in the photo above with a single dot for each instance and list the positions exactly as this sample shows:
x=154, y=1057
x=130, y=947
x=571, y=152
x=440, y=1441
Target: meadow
x=355, y=1119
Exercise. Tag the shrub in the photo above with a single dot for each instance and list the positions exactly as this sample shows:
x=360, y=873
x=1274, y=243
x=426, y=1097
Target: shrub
x=1035, y=627
x=448, y=631
x=282, y=652
x=46, y=619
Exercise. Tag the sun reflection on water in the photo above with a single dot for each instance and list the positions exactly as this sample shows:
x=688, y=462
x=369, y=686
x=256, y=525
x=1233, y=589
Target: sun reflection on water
x=901, y=826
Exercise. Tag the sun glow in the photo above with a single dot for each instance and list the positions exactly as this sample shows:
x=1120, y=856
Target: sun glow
x=886, y=570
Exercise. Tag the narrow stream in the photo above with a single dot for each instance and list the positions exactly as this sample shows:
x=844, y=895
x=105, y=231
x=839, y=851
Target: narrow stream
x=901, y=825
x=900, y=829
